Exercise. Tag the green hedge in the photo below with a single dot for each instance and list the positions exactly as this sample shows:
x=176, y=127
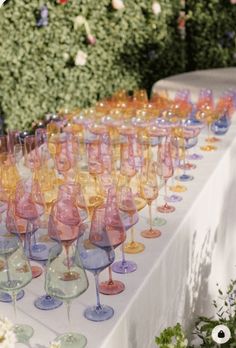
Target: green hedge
x=134, y=48
x=211, y=34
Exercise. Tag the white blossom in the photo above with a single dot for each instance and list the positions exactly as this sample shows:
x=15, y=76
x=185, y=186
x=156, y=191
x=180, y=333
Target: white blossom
x=118, y=4
x=55, y=344
x=81, y=58
x=79, y=21
x=156, y=8
x=7, y=335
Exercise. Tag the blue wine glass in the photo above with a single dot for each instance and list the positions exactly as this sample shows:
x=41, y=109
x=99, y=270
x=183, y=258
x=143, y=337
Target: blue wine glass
x=96, y=253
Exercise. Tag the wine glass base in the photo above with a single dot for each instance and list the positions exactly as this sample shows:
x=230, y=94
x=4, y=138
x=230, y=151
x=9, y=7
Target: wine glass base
x=124, y=267
x=188, y=166
x=38, y=248
x=23, y=333
x=111, y=288
x=151, y=233
x=213, y=140
x=166, y=209
x=134, y=248
x=102, y=313
x=5, y=297
x=36, y=271
x=178, y=188
x=194, y=157
x=71, y=340
x=47, y=303
x=173, y=198
x=159, y=221
x=184, y=178
x=208, y=148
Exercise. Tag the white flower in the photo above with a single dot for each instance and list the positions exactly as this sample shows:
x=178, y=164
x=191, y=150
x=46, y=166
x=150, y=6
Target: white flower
x=7, y=335
x=55, y=344
x=81, y=58
x=156, y=8
x=66, y=56
x=79, y=21
x=118, y=4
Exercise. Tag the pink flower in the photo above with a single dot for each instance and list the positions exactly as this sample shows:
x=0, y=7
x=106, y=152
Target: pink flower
x=118, y=4
x=91, y=39
x=233, y=2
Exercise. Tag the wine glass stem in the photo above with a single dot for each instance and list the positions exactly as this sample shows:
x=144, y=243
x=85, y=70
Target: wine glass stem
x=98, y=305
x=29, y=230
x=208, y=133
x=13, y=296
x=132, y=235
x=123, y=253
x=150, y=215
x=68, y=306
x=67, y=257
x=110, y=281
x=165, y=185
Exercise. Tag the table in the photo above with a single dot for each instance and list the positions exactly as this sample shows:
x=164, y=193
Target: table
x=177, y=273
x=217, y=79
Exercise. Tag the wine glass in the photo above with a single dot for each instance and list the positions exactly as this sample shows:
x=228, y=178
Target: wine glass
x=66, y=215
x=130, y=203
x=15, y=274
x=116, y=233
x=96, y=254
x=149, y=192
x=5, y=232
x=28, y=207
x=65, y=219
x=31, y=153
x=166, y=167
x=9, y=173
x=127, y=160
x=185, y=138
x=60, y=283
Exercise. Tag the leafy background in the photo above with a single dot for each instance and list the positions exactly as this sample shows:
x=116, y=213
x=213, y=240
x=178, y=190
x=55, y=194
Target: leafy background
x=134, y=48
x=211, y=34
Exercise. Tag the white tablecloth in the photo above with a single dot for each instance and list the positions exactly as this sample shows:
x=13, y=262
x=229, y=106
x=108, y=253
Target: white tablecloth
x=177, y=274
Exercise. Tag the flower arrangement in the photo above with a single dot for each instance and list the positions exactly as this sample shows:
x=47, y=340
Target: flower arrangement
x=172, y=337
x=7, y=335
x=210, y=331
x=55, y=344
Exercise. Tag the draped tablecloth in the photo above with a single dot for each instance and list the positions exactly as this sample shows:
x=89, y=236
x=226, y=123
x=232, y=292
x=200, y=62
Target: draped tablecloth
x=177, y=273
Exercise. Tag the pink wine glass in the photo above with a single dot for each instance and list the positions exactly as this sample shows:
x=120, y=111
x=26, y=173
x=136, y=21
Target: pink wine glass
x=166, y=166
x=116, y=233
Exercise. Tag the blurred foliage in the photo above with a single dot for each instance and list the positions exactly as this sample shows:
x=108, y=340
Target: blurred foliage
x=134, y=48
x=211, y=34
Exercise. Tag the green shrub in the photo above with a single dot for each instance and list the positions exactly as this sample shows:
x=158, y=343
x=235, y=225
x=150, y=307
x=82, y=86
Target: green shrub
x=211, y=34
x=133, y=49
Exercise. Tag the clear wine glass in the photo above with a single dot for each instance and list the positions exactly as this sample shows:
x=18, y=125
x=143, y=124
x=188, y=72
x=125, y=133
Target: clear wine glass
x=60, y=283
x=15, y=274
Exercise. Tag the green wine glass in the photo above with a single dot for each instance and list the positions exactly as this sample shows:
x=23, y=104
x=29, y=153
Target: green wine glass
x=66, y=281
x=15, y=273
